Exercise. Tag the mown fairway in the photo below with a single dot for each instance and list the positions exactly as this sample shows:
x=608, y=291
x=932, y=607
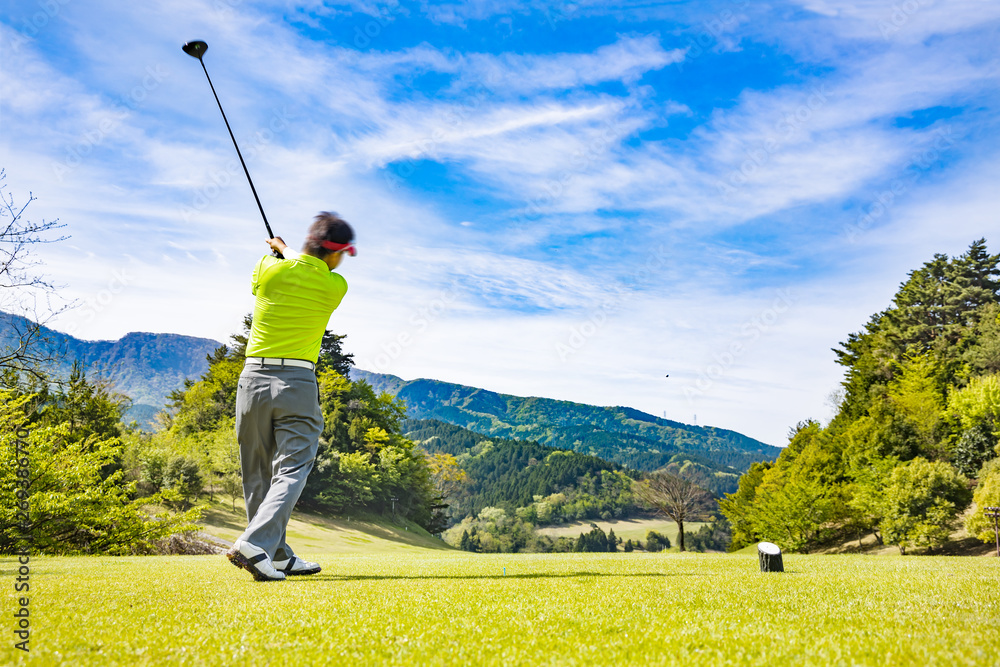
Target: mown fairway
x=455, y=608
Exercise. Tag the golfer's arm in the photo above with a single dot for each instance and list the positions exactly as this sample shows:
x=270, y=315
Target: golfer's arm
x=278, y=245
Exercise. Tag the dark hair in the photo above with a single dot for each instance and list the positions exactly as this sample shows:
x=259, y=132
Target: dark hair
x=327, y=227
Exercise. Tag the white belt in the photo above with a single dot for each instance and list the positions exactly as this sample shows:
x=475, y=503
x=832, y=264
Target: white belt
x=268, y=361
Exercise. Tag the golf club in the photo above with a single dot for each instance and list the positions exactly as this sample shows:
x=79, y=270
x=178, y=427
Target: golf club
x=196, y=49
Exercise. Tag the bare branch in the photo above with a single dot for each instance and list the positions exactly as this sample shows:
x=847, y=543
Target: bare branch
x=676, y=498
x=26, y=296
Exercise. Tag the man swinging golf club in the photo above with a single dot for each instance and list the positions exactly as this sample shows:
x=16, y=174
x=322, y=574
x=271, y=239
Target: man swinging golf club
x=278, y=417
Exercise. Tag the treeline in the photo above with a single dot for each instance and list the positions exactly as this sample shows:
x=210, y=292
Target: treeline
x=495, y=531
x=915, y=438
x=594, y=541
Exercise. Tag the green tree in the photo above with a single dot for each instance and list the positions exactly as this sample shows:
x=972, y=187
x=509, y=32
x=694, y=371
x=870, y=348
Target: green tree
x=934, y=311
x=982, y=353
x=183, y=476
x=871, y=477
x=74, y=507
x=595, y=541
x=739, y=507
x=931, y=309
x=974, y=446
x=978, y=403
x=921, y=504
x=791, y=510
x=201, y=406
x=232, y=486
x=87, y=408
x=364, y=461
x=987, y=495
x=152, y=470
x=917, y=392
x=332, y=355
x=914, y=396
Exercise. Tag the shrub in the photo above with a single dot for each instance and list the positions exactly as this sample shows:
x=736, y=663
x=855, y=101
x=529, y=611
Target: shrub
x=656, y=541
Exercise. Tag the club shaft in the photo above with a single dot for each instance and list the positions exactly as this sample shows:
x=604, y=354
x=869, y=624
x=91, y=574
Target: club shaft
x=246, y=171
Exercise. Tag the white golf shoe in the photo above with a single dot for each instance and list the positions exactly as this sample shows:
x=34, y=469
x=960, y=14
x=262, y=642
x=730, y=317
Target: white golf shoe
x=254, y=560
x=296, y=565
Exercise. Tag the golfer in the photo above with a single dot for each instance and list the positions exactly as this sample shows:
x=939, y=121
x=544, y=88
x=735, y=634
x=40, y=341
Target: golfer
x=278, y=417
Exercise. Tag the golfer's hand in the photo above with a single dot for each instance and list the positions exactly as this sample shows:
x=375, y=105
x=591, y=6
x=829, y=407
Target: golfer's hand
x=277, y=245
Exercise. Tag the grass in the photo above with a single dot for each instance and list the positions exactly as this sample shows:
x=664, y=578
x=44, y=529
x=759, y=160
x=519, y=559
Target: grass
x=452, y=608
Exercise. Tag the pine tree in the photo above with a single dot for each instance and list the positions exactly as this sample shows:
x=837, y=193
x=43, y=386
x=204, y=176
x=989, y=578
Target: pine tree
x=612, y=541
x=974, y=274
x=332, y=355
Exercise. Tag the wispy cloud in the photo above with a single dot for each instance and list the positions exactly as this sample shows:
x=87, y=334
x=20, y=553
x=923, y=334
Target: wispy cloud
x=509, y=164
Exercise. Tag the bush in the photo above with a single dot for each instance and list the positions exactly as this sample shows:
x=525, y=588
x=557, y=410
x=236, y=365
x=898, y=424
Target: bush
x=974, y=447
x=921, y=503
x=74, y=507
x=656, y=542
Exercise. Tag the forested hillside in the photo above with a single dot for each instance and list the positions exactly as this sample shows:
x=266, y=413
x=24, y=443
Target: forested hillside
x=513, y=474
x=916, y=434
x=623, y=435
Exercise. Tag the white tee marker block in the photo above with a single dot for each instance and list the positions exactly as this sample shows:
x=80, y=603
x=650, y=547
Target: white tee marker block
x=769, y=556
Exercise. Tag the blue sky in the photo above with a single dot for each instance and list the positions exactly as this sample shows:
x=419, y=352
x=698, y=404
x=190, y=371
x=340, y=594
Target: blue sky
x=569, y=200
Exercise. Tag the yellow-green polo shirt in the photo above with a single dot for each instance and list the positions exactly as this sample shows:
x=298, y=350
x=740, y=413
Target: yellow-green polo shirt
x=295, y=298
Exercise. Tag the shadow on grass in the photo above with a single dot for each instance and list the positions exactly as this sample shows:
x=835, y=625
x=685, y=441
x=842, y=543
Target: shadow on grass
x=376, y=529
x=531, y=575
x=220, y=519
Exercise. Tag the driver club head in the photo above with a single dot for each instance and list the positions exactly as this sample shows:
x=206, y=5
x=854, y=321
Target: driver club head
x=195, y=49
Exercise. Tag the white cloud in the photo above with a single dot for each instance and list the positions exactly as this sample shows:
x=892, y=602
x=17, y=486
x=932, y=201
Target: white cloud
x=478, y=298
x=626, y=60
x=910, y=21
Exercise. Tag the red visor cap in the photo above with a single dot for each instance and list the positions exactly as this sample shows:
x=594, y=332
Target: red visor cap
x=349, y=247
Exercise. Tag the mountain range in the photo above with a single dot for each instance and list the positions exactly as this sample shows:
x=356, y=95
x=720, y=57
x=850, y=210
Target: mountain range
x=624, y=435
x=144, y=366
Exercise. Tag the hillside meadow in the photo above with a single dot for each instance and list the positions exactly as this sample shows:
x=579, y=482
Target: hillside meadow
x=320, y=534
x=626, y=529
x=422, y=607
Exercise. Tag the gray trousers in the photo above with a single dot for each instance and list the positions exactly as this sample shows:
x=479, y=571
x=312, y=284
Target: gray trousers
x=278, y=424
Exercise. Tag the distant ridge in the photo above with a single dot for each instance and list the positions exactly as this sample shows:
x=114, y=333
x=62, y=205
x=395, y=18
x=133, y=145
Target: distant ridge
x=143, y=366
x=620, y=434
